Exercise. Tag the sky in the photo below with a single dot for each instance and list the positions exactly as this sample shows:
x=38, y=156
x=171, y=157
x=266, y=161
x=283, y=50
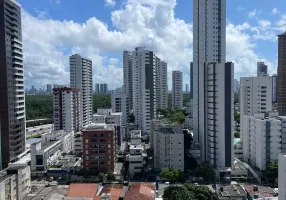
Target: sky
x=101, y=29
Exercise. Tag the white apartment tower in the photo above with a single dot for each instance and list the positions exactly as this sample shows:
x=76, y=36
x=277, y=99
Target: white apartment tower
x=282, y=176
x=81, y=78
x=212, y=84
x=119, y=104
x=177, y=89
x=12, y=97
x=255, y=95
x=66, y=109
x=144, y=86
x=127, y=78
x=161, y=84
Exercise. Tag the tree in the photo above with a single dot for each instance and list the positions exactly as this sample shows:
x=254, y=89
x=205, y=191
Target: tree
x=271, y=171
x=170, y=174
x=236, y=98
x=237, y=134
x=101, y=176
x=207, y=172
x=200, y=192
x=177, y=193
x=237, y=117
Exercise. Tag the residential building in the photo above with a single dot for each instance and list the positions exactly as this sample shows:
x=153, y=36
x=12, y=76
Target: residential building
x=144, y=87
x=274, y=88
x=46, y=152
x=81, y=78
x=49, y=88
x=161, y=84
x=15, y=182
x=97, y=88
x=142, y=191
x=236, y=192
x=260, y=192
x=66, y=109
x=191, y=80
x=168, y=147
x=261, y=69
x=255, y=95
x=128, y=78
x=187, y=88
x=236, y=86
x=12, y=101
x=212, y=100
x=177, y=89
x=108, y=117
x=103, y=88
x=281, y=92
x=282, y=176
x=77, y=148
x=119, y=105
x=99, y=148
x=264, y=137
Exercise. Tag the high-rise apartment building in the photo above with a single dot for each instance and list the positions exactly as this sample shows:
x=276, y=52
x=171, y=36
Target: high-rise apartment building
x=282, y=74
x=127, y=78
x=49, y=88
x=99, y=148
x=97, y=88
x=187, y=88
x=213, y=84
x=12, y=101
x=161, y=84
x=191, y=80
x=119, y=104
x=236, y=86
x=261, y=69
x=274, y=88
x=282, y=176
x=144, y=87
x=255, y=95
x=103, y=88
x=263, y=138
x=66, y=109
x=177, y=89
x=81, y=78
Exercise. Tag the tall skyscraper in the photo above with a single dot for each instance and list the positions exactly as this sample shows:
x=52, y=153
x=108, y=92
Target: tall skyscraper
x=103, y=88
x=191, y=80
x=212, y=84
x=49, y=88
x=187, y=88
x=97, y=88
x=177, y=89
x=261, y=69
x=281, y=74
x=236, y=86
x=127, y=78
x=81, y=78
x=161, y=84
x=12, y=101
x=274, y=88
x=144, y=85
x=119, y=104
x=66, y=109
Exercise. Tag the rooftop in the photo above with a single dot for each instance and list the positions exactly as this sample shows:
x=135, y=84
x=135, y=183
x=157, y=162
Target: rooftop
x=113, y=189
x=231, y=191
x=99, y=126
x=142, y=191
x=167, y=130
x=88, y=190
x=261, y=191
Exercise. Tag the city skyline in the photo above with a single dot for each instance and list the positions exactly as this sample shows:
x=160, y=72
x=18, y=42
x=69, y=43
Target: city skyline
x=255, y=27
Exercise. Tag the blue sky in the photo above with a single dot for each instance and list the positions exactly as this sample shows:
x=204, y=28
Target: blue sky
x=102, y=29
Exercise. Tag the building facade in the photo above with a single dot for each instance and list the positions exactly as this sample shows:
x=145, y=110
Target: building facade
x=144, y=87
x=66, y=109
x=274, y=88
x=103, y=88
x=177, y=90
x=99, y=148
x=81, y=78
x=119, y=104
x=281, y=74
x=282, y=177
x=263, y=138
x=236, y=86
x=213, y=84
x=161, y=84
x=255, y=95
x=12, y=103
x=168, y=147
x=49, y=88
x=261, y=69
x=127, y=78
x=97, y=88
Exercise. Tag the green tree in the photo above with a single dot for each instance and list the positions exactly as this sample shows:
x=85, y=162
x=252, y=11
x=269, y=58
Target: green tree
x=177, y=193
x=237, y=117
x=200, y=192
x=236, y=98
x=170, y=174
x=237, y=134
x=207, y=172
x=271, y=172
x=101, y=176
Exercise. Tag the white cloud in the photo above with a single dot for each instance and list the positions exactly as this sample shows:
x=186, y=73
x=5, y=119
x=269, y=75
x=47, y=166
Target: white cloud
x=264, y=23
x=110, y=3
x=275, y=11
x=149, y=23
x=252, y=13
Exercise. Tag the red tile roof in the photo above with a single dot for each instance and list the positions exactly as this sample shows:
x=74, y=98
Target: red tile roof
x=88, y=190
x=142, y=191
x=113, y=189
